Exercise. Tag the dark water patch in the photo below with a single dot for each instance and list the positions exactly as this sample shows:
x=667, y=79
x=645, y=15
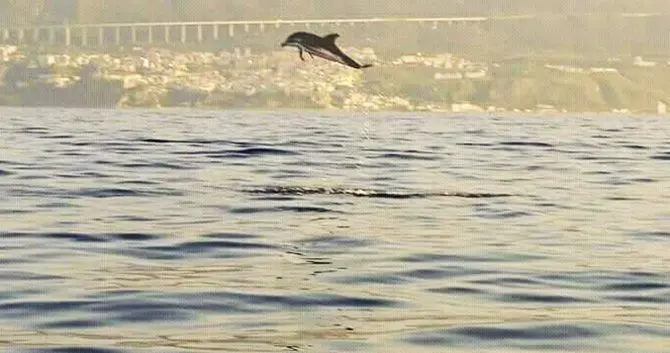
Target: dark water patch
x=27, y=276
x=58, y=137
x=635, y=147
x=597, y=280
x=508, y=281
x=213, y=248
x=224, y=235
x=34, y=130
x=648, y=299
x=138, y=182
x=474, y=144
x=202, y=246
x=407, y=156
x=5, y=173
x=380, y=278
x=130, y=218
x=502, y=214
x=40, y=308
x=71, y=324
x=661, y=235
x=82, y=237
x=661, y=157
x=168, y=141
x=79, y=143
x=33, y=176
x=526, y=144
x=274, y=198
x=635, y=286
x=307, y=190
x=296, y=209
x=261, y=151
x=604, y=159
x=78, y=237
x=483, y=333
x=620, y=198
x=441, y=273
x=643, y=180
x=121, y=192
x=333, y=244
x=199, y=142
x=501, y=257
x=143, y=316
x=15, y=212
x=318, y=261
x=541, y=298
x=156, y=165
x=133, y=236
x=305, y=301
x=456, y=290
x=75, y=154
x=73, y=350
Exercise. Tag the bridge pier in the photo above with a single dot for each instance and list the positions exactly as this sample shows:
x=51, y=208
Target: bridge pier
x=51, y=36
x=261, y=27
x=5, y=35
x=150, y=35
x=199, y=29
x=246, y=28
x=215, y=32
x=20, y=36
x=133, y=35
x=36, y=35
x=166, y=32
x=117, y=36
x=68, y=36
x=231, y=30
x=183, y=34
x=101, y=36
x=84, y=36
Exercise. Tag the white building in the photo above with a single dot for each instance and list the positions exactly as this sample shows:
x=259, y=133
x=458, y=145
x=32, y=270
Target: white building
x=642, y=63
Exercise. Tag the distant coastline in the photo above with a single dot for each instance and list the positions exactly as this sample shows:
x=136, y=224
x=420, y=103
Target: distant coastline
x=239, y=79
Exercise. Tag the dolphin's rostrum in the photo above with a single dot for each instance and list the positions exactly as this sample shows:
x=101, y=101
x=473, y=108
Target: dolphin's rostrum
x=323, y=47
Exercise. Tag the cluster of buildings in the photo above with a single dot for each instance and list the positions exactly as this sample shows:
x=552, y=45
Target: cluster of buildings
x=447, y=66
x=148, y=77
x=161, y=77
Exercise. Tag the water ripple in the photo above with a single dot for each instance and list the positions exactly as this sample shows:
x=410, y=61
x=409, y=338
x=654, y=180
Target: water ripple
x=306, y=190
x=171, y=231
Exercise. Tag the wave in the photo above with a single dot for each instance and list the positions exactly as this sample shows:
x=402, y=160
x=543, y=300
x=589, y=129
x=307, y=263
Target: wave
x=361, y=192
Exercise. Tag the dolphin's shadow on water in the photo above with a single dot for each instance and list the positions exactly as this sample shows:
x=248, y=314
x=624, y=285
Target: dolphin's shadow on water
x=360, y=192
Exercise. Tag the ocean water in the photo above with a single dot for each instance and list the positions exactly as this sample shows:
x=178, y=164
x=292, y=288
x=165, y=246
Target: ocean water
x=199, y=231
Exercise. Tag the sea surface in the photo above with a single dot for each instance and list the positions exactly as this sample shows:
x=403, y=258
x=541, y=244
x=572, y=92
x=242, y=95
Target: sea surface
x=198, y=231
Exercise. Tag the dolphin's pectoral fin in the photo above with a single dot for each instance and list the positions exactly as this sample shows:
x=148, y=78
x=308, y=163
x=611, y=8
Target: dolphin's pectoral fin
x=301, y=54
x=310, y=55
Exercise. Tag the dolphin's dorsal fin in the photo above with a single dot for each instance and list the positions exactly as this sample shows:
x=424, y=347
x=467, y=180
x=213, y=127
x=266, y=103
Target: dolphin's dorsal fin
x=331, y=37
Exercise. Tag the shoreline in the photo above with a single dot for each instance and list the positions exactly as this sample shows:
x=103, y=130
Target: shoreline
x=341, y=112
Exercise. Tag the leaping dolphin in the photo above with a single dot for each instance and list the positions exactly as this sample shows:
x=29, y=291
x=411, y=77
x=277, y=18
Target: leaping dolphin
x=323, y=47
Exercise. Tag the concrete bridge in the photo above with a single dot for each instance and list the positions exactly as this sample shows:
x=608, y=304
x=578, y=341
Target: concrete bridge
x=148, y=33
x=102, y=34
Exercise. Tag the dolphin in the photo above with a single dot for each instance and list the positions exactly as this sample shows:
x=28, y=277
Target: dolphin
x=323, y=47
